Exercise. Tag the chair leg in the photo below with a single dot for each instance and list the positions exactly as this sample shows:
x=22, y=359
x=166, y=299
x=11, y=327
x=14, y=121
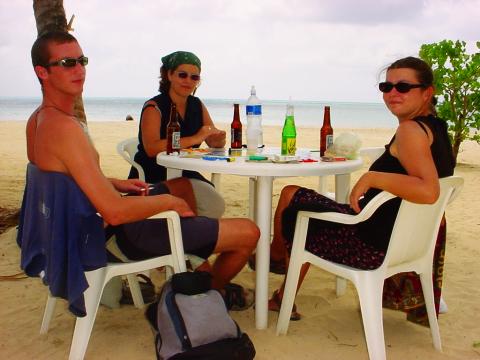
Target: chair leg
x=370, y=295
x=84, y=325
x=427, y=288
x=135, y=291
x=168, y=272
x=48, y=313
x=216, y=181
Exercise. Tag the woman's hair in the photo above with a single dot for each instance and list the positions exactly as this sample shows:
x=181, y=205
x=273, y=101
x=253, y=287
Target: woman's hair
x=164, y=82
x=422, y=69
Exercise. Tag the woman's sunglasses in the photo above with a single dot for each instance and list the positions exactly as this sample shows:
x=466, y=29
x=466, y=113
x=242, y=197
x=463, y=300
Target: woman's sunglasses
x=184, y=75
x=70, y=62
x=401, y=87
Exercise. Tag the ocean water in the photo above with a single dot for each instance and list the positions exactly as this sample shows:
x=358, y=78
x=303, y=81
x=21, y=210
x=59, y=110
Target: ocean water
x=307, y=113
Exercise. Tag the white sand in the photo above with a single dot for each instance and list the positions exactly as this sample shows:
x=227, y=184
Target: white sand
x=331, y=327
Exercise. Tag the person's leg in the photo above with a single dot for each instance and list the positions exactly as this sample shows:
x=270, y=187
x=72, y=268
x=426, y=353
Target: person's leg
x=209, y=202
x=182, y=188
x=278, y=251
x=237, y=238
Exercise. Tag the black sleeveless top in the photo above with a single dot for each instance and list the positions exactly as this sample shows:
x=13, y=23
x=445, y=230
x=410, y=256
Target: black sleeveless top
x=189, y=126
x=378, y=228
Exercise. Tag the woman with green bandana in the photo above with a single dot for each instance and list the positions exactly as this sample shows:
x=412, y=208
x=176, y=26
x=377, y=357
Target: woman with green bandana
x=179, y=79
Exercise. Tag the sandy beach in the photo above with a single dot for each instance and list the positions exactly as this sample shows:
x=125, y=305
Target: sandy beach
x=331, y=327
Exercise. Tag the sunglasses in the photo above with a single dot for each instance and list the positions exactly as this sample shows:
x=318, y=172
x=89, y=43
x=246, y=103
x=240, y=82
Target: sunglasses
x=184, y=75
x=70, y=62
x=401, y=87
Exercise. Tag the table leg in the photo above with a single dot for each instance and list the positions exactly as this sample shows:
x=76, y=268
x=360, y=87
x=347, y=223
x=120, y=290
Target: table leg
x=216, y=181
x=342, y=191
x=173, y=173
x=342, y=188
x=252, y=189
x=263, y=218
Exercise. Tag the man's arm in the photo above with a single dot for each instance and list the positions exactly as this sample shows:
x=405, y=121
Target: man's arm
x=63, y=146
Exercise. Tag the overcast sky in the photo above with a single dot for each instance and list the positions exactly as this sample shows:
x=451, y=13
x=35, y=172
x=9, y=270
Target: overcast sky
x=324, y=50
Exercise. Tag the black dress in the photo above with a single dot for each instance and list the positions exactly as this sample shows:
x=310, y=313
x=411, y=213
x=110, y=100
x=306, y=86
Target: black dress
x=363, y=245
x=189, y=126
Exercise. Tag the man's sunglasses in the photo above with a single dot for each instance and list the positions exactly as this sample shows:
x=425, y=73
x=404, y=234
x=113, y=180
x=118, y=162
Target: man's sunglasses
x=401, y=87
x=70, y=62
x=184, y=75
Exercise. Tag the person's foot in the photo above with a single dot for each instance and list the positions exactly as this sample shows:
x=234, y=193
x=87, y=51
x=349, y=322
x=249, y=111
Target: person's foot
x=237, y=298
x=276, y=266
x=275, y=303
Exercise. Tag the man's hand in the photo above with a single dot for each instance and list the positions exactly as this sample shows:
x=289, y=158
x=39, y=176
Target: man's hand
x=179, y=205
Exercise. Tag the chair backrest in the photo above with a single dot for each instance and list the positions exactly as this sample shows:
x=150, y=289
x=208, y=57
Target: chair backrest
x=416, y=227
x=127, y=149
x=372, y=153
x=60, y=235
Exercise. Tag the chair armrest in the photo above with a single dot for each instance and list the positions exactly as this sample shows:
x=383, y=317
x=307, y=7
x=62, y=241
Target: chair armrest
x=366, y=212
x=166, y=214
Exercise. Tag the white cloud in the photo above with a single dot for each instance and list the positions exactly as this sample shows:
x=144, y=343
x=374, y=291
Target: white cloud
x=307, y=49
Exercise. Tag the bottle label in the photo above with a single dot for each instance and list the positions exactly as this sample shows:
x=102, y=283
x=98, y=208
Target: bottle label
x=329, y=141
x=289, y=146
x=254, y=109
x=236, y=136
x=176, y=140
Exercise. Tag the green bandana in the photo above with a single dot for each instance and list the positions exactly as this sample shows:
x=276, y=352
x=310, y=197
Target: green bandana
x=177, y=58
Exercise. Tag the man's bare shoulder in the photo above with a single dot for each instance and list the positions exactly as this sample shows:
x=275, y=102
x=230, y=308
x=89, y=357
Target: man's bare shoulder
x=58, y=139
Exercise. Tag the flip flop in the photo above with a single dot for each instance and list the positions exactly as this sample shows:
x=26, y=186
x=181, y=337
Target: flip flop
x=237, y=298
x=275, y=303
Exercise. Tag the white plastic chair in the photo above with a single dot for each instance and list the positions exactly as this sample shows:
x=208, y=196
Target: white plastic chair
x=411, y=248
x=127, y=150
x=98, y=278
x=129, y=147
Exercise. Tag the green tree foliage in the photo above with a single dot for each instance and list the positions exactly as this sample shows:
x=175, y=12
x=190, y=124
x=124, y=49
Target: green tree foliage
x=457, y=83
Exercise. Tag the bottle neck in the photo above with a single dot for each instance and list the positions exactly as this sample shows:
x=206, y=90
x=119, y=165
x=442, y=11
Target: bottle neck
x=236, y=113
x=173, y=115
x=326, y=117
x=289, y=123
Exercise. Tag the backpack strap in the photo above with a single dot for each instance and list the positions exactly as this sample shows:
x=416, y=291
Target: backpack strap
x=177, y=320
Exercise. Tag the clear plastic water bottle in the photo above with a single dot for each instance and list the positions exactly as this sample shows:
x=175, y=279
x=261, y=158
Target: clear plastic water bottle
x=254, y=122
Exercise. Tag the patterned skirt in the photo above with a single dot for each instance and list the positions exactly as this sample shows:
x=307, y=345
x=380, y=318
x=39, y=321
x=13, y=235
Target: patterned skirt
x=339, y=243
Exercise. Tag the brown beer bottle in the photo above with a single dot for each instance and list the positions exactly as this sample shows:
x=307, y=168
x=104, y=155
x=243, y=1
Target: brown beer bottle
x=173, y=131
x=326, y=132
x=236, y=129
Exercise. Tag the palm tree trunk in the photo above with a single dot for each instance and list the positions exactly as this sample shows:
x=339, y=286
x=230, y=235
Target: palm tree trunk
x=50, y=16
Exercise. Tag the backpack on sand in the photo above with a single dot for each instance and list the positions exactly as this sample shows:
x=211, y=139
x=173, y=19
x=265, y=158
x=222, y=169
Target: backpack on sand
x=191, y=321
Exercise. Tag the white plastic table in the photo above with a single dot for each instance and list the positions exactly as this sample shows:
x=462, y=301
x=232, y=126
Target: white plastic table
x=265, y=174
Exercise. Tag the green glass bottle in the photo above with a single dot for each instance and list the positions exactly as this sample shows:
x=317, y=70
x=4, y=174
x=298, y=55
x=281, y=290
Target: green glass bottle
x=289, y=133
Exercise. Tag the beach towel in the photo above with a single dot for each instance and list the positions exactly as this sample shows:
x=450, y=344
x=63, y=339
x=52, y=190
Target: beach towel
x=60, y=235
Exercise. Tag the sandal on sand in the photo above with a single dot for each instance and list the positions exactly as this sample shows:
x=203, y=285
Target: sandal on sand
x=146, y=287
x=276, y=266
x=237, y=298
x=275, y=303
